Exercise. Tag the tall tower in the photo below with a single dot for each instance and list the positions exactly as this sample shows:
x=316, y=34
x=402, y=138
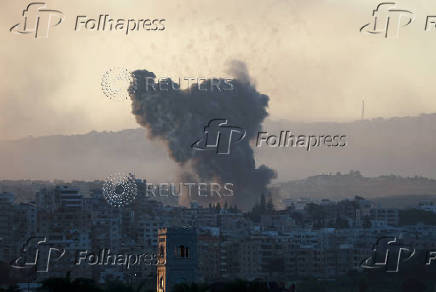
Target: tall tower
x=177, y=254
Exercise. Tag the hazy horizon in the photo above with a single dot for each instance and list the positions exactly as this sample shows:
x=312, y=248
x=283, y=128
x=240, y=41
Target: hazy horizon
x=268, y=119
x=308, y=57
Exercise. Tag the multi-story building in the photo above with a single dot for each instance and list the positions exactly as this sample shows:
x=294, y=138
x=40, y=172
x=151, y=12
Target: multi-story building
x=281, y=221
x=68, y=197
x=388, y=217
x=227, y=245
x=26, y=220
x=8, y=246
x=209, y=254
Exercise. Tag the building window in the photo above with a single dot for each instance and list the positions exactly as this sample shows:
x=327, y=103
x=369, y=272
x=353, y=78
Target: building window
x=182, y=251
x=161, y=282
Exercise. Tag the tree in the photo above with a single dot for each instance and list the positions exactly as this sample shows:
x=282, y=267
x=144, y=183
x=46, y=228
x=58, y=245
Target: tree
x=413, y=285
x=56, y=284
x=116, y=286
x=316, y=213
x=311, y=285
x=13, y=288
x=66, y=285
x=363, y=285
x=193, y=287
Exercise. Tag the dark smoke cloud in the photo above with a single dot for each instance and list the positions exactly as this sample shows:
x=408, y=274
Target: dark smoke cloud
x=178, y=117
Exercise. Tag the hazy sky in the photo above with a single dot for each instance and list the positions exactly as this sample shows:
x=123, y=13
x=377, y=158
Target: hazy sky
x=308, y=56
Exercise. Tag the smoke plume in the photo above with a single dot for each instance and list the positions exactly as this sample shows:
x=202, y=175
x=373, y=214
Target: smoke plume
x=178, y=117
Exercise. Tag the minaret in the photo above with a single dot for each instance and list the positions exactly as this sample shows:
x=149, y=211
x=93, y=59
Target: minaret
x=177, y=257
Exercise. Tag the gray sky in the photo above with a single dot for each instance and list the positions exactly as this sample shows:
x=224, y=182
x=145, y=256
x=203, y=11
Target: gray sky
x=308, y=56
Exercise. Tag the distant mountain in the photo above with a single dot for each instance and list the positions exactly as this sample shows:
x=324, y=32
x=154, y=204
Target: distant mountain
x=403, y=202
x=84, y=157
x=388, y=191
x=401, y=146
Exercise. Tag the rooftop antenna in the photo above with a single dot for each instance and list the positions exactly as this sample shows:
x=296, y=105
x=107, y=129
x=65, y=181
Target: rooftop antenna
x=363, y=110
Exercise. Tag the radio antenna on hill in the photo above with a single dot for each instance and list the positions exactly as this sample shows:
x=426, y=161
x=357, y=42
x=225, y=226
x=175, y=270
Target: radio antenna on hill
x=363, y=110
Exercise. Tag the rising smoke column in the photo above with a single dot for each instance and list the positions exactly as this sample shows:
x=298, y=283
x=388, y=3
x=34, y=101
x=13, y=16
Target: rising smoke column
x=178, y=117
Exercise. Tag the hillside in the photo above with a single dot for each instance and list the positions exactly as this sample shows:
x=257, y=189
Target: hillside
x=400, y=146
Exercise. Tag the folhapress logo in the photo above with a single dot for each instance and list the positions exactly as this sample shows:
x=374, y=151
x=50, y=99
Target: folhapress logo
x=388, y=253
x=38, y=254
x=218, y=135
x=38, y=20
x=387, y=20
